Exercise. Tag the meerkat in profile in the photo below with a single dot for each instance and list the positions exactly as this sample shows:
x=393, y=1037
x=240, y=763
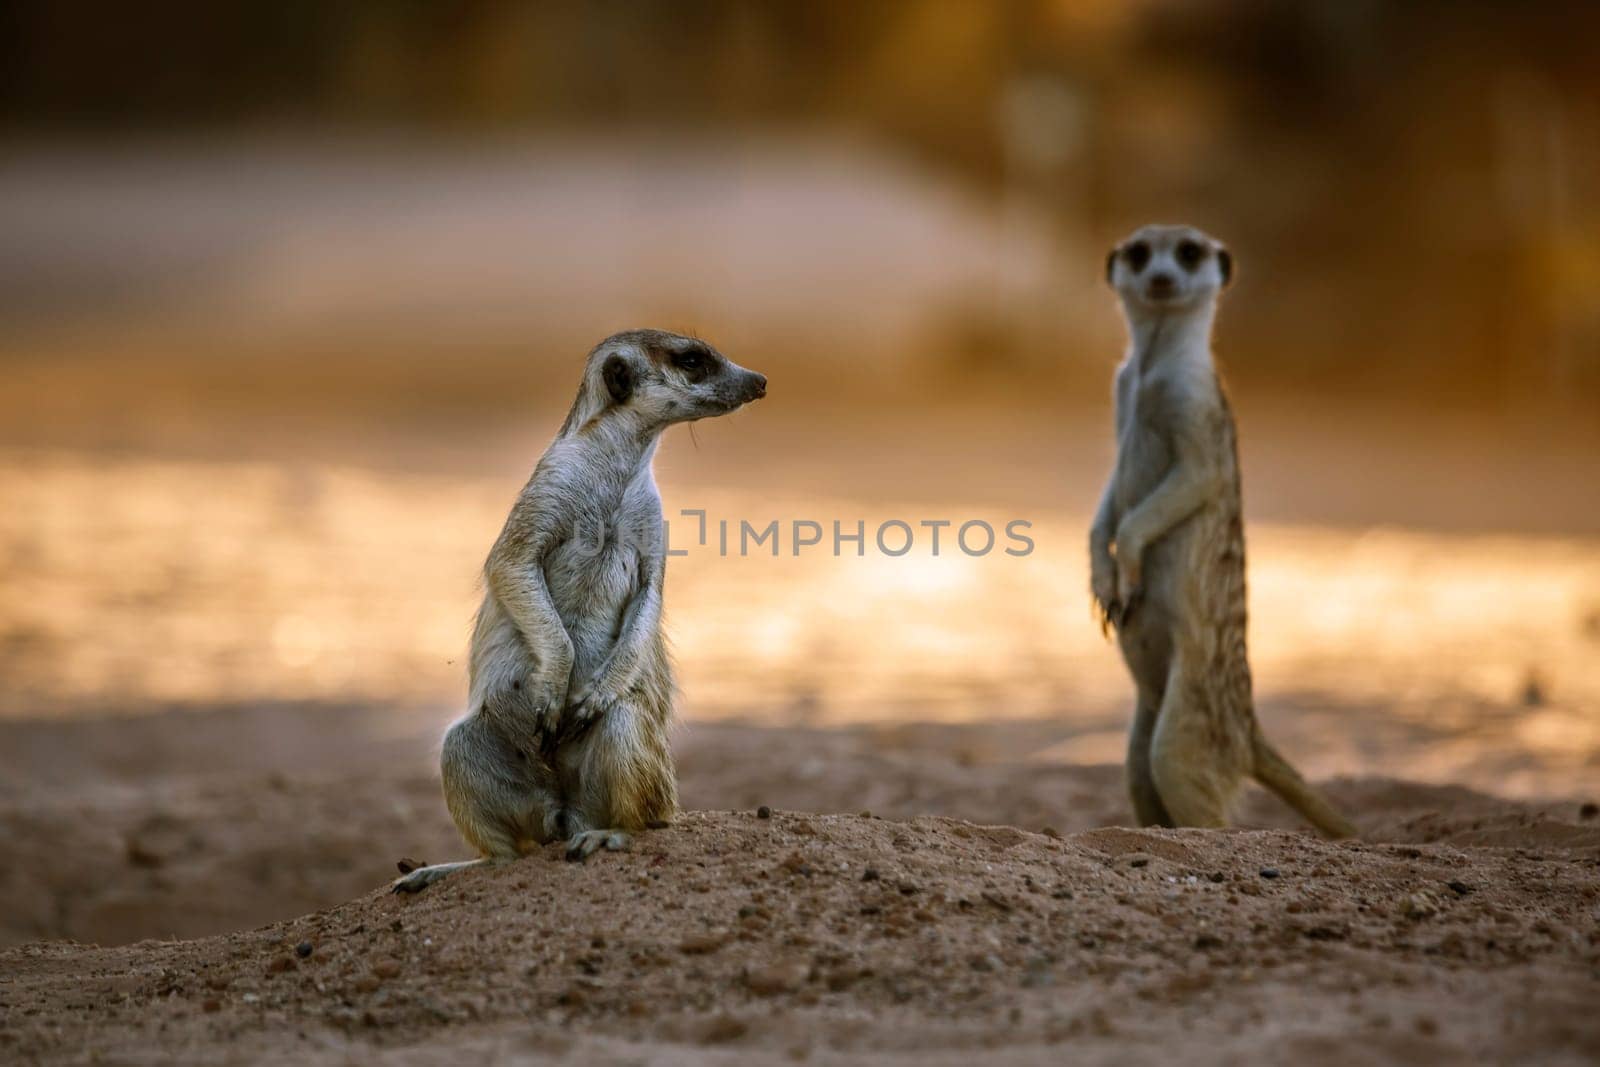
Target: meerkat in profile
x=1166, y=547
x=566, y=736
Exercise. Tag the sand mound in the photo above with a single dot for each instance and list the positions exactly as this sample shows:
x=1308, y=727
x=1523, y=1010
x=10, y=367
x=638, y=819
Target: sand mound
x=737, y=938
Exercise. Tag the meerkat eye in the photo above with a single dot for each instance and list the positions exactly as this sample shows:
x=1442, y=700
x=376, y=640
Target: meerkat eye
x=689, y=361
x=1190, y=253
x=1137, y=255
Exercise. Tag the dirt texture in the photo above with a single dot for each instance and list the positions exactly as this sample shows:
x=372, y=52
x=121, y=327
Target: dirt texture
x=1459, y=926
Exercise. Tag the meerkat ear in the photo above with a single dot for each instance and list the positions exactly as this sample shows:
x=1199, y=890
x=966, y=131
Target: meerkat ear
x=1111, y=264
x=1225, y=264
x=618, y=378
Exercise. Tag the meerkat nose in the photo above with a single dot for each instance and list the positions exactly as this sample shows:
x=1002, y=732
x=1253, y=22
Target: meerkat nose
x=1160, y=284
x=758, y=385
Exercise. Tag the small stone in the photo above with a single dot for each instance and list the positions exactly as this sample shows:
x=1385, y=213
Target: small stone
x=1269, y=872
x=723, y=1028
x=386, y=969
x=212, y=1006
x=1138, y=859
x=1051, y=831
x=782, y=977
x=1422, y=905
x=763, y=812
x=279, y=965
x=701, y=944
x=1217, y=877
x=1533, y=692
x=996, y=900
x=870, y=875
x=303, y=949
x=1459, y=888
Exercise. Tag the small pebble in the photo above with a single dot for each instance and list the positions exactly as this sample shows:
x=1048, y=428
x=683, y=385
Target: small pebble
x=763, y=812
x=782, y=977
x=870, y=875
x=1423, y=905
x=303, y=949
x=1269, y=872
x=1461, y=889
x=1218, y=877
x=700, y=944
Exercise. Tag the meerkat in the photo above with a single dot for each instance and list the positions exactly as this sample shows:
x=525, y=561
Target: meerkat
x=570, y=683
x=1166, y=547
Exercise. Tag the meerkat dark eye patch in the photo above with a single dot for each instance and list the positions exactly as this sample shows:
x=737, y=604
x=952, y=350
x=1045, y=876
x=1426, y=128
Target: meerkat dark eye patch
x=1190, y=254
x=1137, y=256
x=695, y=365
x=618, y=378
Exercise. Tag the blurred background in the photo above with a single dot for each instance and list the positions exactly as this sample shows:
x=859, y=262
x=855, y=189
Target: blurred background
x=293, y=295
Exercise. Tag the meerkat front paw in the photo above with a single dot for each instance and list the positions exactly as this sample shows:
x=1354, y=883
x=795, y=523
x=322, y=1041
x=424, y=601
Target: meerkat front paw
x=1103, y=590
x=586, y=709
x=582, y=845
x=546, y=699
x=1129, y=584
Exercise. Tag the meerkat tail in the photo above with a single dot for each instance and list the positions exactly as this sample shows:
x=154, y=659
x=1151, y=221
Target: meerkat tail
x=1279, y=775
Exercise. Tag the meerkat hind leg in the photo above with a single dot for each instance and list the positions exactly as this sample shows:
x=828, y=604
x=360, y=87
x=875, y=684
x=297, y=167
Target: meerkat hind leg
x=1196, y=780
x=1147, y=806
x=620, y=781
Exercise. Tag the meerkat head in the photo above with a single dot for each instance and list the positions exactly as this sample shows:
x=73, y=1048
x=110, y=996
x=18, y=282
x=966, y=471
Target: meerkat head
x=1161, y=268
x=665, y=378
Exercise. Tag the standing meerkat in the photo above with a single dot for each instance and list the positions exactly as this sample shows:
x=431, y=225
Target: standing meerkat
x=570, y=681
x=1166, y=549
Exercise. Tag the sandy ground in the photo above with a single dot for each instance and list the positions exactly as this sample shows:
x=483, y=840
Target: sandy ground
x=968, y=899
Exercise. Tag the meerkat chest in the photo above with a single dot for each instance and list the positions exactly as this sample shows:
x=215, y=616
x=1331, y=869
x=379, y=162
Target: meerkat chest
x=595, y=570
x=1145, y=450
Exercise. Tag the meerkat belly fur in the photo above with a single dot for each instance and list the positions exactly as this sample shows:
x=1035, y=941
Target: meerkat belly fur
x=1167, y=548
x=571, y=689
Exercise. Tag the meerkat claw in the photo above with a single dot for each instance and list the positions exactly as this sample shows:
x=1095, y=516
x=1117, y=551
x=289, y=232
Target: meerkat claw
x=585, y=844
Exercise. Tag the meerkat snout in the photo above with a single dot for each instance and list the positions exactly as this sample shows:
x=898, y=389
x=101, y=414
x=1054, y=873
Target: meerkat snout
x=1169, y=267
